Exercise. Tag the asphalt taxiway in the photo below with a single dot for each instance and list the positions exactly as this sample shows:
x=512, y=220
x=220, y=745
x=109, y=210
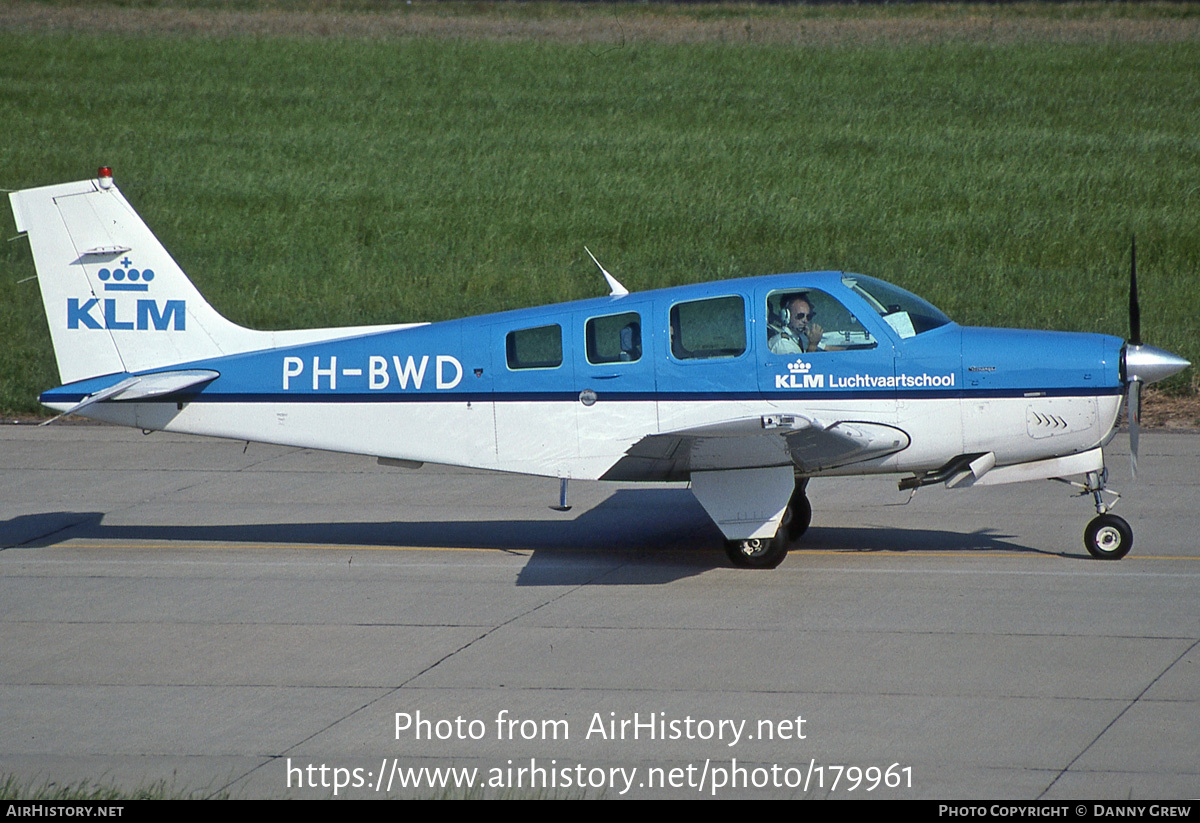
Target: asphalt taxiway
x=232, y=618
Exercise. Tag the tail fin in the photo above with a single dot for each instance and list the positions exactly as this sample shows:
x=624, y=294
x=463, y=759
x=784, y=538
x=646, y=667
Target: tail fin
x=115, y=299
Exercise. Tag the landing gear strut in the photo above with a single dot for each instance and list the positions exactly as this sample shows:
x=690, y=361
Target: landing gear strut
x=764, y=553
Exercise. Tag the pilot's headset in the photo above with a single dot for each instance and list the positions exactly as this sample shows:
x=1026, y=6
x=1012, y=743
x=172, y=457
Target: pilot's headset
x=785, y=314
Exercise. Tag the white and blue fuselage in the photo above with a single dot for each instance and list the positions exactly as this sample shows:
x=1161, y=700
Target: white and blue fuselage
x=447, y=393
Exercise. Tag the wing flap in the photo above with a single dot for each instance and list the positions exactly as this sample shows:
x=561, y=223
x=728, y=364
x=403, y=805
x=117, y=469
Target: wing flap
x=806, y=443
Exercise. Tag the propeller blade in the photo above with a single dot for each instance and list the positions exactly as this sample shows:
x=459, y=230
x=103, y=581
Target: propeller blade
x=1135, y=311
x=1133, y=411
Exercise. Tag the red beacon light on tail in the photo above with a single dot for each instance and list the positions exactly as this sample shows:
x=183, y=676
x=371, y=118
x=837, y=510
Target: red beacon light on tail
x=105, y=175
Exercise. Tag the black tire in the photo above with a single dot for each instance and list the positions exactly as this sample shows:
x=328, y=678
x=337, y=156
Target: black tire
x=1108, y=537
x=757, y=553
x=801, y=511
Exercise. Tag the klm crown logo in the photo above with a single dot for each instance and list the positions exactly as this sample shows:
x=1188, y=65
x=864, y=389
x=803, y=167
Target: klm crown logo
x=798, y=377
x=126, y=279
x=148, y=314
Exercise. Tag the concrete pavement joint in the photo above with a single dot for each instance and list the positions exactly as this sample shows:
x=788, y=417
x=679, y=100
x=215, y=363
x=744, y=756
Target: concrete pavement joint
x=1120, y=714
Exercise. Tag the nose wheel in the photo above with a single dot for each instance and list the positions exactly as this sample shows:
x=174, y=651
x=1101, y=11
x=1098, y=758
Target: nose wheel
x=1108, y=537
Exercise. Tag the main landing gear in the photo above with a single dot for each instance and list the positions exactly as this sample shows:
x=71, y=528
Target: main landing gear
x=1107, y=537
x=764, y=553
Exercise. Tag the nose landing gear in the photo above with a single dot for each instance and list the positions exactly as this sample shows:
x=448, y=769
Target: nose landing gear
x=1107, y=537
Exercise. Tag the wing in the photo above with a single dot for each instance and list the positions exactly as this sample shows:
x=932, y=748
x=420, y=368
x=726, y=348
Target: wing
x=808, y=444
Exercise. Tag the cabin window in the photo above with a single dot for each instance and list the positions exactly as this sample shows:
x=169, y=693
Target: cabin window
x=706, y=329
x=537, y=348
x=614, y=339
x=806, y=320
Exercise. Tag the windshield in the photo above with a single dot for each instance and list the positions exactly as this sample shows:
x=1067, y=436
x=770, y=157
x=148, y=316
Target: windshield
x=906, y=313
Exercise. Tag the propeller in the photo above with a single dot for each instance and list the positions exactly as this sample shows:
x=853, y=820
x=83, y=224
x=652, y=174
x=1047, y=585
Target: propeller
x=1133, y=401
x=1133, y=410
x=1141, y=363
x=1135, y=311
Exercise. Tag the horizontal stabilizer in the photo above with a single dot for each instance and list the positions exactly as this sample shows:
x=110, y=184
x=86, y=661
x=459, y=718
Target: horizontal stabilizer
x=144, y=387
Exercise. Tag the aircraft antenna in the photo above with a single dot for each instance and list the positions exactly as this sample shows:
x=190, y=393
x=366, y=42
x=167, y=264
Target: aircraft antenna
x=614, y=286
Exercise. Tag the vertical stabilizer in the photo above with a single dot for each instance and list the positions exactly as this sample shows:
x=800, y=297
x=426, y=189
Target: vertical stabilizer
x=115, y=300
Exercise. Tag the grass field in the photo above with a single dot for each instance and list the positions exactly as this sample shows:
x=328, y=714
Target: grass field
x=327, y=164
x=12, y=788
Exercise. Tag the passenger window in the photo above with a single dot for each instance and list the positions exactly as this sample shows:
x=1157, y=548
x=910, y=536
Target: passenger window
x=807, y=320
x=708, y=328
x=614, y=339
x=537, y=348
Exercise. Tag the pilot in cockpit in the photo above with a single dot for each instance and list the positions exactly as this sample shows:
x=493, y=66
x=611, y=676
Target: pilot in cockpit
x=798, y=333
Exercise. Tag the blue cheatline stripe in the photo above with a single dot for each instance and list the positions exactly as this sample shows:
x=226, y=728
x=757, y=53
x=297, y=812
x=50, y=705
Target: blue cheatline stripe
x=610, y=397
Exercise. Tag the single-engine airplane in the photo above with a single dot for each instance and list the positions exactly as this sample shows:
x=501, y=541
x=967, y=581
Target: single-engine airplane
x=748, y=388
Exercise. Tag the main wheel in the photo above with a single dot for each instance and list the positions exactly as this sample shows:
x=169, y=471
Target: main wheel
x=1108, y=537
x=801, y=514
x=757, y=552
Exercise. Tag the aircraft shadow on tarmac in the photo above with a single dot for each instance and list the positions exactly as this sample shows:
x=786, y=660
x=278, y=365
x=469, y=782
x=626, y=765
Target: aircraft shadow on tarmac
x=651, y=536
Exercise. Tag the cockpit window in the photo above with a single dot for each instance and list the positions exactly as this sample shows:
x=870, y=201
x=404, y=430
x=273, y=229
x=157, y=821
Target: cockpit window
x=806, y=320
x=906, y=313
x=710, y=328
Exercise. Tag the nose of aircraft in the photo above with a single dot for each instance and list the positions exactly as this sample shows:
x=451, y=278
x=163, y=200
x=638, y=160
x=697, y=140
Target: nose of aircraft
x=1144, y=364
x=1141, y=363
x=1148, y=364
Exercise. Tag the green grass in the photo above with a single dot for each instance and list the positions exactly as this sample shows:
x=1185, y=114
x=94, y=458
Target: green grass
x=13, y=788
x=327, y=181
x=770, y=10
